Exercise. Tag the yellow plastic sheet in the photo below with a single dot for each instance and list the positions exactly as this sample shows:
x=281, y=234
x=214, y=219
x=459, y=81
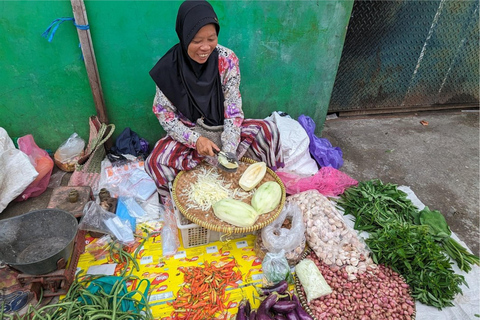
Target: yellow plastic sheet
x=166, y=279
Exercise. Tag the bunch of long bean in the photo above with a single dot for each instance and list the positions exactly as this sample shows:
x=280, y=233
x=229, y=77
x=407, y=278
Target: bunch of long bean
x=103, y=305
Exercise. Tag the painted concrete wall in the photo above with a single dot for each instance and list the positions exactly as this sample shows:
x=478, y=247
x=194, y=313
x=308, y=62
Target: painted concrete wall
x=289, y=53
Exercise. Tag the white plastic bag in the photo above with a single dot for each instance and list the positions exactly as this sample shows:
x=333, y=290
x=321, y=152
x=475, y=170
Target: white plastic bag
x=16, y=170
x=295, y=145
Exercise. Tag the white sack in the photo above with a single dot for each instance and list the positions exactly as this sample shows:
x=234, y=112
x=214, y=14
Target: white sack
x=295, y=146
x=16, y=170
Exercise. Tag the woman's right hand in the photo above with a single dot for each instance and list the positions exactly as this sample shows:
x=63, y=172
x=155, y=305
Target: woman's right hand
x=206, y=146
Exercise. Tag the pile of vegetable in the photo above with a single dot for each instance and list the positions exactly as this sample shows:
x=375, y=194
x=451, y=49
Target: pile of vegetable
x=82, y=303
x=203, y=293
x=378, y=293
x=413, y=243
x=328, y=236
x=241, y=214
x=276, y=304
x=230, y=203
x=208, y=189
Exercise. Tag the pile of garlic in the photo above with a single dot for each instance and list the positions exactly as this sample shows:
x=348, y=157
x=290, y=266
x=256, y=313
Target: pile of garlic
x=335, y=243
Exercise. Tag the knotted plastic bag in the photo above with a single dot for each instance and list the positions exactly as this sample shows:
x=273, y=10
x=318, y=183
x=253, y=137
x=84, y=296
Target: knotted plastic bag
x=286, y=233
x=43, y=165
x=275, y=268
x=321, y=149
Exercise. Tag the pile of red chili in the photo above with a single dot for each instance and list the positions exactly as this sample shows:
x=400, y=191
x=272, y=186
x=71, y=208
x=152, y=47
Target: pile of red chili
x=203, y=294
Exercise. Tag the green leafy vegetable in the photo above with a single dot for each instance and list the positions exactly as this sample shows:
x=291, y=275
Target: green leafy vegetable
x=436, y=222
x=411, y=251
x=410, y=241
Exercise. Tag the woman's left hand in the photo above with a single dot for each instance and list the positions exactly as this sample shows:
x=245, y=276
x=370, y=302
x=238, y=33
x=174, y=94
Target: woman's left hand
x=206, y=146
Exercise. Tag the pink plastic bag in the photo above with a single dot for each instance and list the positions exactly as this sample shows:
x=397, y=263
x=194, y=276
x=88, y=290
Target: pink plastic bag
x=328, y=181
x=42, y=163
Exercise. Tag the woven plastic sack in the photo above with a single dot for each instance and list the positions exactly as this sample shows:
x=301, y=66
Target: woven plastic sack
x=16, y=170
x=328, y=181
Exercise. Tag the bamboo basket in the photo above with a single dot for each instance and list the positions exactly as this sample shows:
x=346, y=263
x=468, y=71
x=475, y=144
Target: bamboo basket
x=207, y=219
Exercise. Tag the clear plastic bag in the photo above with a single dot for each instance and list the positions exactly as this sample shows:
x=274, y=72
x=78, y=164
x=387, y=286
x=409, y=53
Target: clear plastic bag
x=170, y=239
x=69, y=152
x=286, y=233
x=275, y=268
x=129, y=180
x=312, y=280
x=99, y=247
x=97, y=219
x=327, y=234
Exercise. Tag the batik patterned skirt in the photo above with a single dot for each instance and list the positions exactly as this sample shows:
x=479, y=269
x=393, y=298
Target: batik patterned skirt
x=259, y=140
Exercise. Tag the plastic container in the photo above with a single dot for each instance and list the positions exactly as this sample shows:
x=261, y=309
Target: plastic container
x=36, y=241
x=194, y=235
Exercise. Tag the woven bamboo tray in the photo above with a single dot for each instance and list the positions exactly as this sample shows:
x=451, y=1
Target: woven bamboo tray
x=303, y=299
x=207, y=219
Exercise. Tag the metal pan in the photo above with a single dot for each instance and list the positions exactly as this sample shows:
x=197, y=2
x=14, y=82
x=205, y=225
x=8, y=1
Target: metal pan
x=36, y=241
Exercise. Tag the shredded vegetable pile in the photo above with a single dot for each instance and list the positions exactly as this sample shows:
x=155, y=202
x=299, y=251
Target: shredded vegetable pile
x=209, y=188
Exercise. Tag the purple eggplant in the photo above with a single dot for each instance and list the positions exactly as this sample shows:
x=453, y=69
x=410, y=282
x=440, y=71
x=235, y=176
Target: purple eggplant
x=291, y=316
x=248, y=307
x=265, y=306
x=284, y=306
x=279, y=317
x=287, y=297
x=301, y=313
x=253, y=315
x=279, y=287
x=241, y=315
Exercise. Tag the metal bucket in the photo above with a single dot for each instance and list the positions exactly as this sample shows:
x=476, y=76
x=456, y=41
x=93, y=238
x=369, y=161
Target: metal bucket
x=34, y=242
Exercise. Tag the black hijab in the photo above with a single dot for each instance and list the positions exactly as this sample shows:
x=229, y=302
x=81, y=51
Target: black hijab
x=194, y=89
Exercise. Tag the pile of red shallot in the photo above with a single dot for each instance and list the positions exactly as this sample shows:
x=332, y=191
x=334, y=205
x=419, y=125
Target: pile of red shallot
x=378, y=293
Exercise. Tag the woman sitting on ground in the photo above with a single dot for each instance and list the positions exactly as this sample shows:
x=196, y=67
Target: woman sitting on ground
x=198, y=103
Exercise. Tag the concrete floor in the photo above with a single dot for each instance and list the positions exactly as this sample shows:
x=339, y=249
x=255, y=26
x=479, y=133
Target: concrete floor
x=439, y=162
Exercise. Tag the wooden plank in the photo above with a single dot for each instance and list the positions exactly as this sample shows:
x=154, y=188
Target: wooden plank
x=80, y=15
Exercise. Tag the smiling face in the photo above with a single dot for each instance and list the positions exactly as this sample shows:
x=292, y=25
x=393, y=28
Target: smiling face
x=203, y=44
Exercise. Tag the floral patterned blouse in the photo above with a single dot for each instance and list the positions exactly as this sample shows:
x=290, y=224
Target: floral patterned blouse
x=179, y=127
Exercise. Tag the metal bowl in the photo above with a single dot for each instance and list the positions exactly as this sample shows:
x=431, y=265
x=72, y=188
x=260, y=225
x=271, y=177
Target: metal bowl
x=34, y=242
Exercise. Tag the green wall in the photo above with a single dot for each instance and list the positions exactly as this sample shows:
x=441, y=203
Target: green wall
x=289, y=53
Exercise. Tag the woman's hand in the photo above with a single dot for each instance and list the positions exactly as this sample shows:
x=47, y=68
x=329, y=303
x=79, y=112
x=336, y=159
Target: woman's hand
x=206, y=146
